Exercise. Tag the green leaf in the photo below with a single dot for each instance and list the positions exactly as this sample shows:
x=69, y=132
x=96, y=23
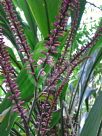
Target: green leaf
x=44, y=12
x=7, y=123
x=88, y=68
x=37, y=54
x=13, y=58
x=1, y=79
x=30, y=37
x=3, y=114
x=63, y=93
x=55, y=118
x=26, y=85
x=94, y=119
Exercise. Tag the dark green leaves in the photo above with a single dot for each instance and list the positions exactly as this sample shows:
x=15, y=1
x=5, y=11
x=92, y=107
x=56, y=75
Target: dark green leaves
x=94, y=119
x=44, y=12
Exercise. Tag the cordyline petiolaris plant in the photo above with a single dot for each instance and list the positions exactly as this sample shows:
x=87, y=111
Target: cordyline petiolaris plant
x=49, y=74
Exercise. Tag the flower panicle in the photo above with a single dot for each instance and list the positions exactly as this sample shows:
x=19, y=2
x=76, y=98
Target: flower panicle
x=59, y=29
x=65, y=80
x=41, y=119
x=57, y=24
x=73, y=63
x=69, y=69
x=10, y=79
x=17, y=30
x=75, y=7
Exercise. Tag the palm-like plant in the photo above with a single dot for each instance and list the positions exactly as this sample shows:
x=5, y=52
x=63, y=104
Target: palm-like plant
x=36, y=82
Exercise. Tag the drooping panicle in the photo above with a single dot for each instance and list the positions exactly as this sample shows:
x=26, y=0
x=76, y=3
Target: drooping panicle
x=10, y=81
x=58, y=92
x=59, y=28
x=41, y=119
x=17, y=30
x=60, y=25
x=72, y=64
x=75, y=7
x=51, y=44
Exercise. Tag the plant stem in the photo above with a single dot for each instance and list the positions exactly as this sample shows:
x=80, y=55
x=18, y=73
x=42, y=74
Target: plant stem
x=62, y=122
